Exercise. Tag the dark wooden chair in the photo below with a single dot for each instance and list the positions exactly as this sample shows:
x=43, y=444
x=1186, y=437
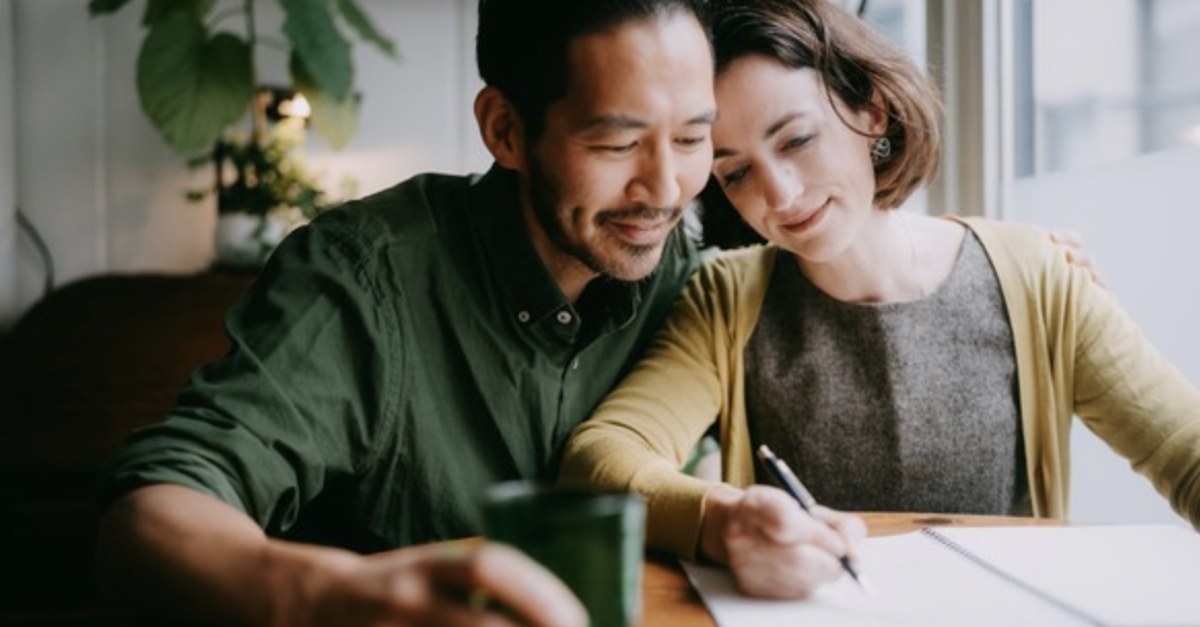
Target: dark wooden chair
x=80, y=370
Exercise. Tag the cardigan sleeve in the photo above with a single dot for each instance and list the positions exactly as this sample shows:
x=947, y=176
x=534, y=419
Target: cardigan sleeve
x=641, y=435
x=1132, y=397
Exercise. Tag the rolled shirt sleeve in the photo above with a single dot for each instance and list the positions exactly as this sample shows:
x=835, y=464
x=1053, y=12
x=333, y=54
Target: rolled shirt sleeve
x=294, y=403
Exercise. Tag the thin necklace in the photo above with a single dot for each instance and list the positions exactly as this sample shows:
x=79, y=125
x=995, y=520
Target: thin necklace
x=912, y=246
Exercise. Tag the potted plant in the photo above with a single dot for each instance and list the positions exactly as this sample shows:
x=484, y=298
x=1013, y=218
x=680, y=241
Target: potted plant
x=263, y=190
x=196, y=81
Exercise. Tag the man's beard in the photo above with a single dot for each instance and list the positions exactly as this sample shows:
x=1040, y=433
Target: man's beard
x=544, y=196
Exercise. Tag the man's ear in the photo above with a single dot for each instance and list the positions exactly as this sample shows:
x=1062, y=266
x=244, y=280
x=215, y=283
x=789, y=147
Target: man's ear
x=501, y=128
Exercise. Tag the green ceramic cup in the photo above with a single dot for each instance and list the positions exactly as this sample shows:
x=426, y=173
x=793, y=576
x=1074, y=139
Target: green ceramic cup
x=592, y=541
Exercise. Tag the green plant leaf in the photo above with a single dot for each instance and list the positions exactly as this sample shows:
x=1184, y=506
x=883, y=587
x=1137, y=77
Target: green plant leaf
x=310, y=27
x=336, y=119
x=102, y=7
x=158, y=10
x=366, y=29
x=192, y=86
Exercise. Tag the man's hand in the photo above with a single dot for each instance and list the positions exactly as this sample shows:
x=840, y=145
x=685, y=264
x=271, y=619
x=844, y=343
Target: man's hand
x=182, y=554
x=447, y=586
x=773, y=548
x=1077, y=255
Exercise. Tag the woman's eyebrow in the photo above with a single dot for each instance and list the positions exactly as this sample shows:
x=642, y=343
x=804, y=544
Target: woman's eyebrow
x=772, y=130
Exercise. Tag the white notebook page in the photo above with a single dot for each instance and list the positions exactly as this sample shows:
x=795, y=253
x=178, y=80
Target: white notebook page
x=918, y=581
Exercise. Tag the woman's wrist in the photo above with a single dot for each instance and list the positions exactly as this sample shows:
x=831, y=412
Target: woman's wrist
x=719, y=506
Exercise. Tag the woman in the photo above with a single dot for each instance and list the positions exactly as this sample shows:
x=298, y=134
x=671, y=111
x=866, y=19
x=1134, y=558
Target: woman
x=898, y=362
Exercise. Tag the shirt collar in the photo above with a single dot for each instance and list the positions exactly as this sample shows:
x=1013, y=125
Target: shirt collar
x=531, y=296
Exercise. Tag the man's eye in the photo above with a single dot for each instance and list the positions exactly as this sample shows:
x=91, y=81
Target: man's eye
x=617, y=149
x=691, y=142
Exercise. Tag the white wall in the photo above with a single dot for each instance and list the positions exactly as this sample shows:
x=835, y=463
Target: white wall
x=1141, y=219
x=8, y=165
x=58, y=55
x=107, y=193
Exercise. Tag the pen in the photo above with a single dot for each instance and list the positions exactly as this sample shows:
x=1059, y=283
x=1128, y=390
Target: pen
x=791, y=484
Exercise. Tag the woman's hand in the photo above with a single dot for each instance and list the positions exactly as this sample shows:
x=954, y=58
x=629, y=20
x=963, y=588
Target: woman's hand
x=773, y=548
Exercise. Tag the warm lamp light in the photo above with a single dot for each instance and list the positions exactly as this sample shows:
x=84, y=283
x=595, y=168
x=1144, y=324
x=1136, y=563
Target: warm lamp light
x=295, y=107
x=281, y=103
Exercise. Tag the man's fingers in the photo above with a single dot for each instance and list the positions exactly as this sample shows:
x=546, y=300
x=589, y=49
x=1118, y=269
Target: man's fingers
x=456, y=615
x=534, y=594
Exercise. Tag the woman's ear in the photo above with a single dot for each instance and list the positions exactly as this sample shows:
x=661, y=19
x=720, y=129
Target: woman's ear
x=501, y=128
x=877, y=116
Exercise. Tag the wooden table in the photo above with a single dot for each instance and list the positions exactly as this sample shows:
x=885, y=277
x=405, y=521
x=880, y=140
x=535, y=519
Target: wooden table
x=670, y=601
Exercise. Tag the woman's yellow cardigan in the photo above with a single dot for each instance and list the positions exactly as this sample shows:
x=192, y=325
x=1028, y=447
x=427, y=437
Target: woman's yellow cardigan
x=1077, y=354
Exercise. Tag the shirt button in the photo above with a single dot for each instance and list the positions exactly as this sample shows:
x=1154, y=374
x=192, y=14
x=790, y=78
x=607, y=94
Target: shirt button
x=523, y=316
x=564, y=317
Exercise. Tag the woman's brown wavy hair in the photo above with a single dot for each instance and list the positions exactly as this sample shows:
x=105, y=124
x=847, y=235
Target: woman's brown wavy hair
x=857, y=65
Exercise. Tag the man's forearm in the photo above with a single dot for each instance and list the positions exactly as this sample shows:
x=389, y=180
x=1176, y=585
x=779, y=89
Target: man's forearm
x=171, y=549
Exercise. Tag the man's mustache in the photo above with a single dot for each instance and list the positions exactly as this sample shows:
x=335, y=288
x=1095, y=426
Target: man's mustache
x=646, y=214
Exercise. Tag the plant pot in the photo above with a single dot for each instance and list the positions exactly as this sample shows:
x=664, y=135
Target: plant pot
x=244, y=241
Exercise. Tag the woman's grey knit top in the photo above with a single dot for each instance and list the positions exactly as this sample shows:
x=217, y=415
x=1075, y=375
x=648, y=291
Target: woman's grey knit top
x=908, y=406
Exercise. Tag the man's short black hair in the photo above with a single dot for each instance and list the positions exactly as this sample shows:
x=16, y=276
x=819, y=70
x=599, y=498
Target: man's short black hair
x=521, y=45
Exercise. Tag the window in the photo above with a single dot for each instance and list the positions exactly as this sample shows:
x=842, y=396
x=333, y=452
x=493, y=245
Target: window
x=901, y=21
x=1105, y=97
x=1099, y=81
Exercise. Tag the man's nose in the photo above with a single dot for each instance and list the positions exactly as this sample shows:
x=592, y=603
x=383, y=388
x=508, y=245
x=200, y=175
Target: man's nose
x=656, y=181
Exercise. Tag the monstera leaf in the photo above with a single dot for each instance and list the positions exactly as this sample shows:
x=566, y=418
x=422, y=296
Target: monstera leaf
x=192, y=85
x=336, y=119
x=361, y=24
x=155, y=11
x=158, y=10
x=316, y=40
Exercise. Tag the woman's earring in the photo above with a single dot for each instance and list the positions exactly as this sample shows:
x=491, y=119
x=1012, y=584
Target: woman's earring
x=881, y=150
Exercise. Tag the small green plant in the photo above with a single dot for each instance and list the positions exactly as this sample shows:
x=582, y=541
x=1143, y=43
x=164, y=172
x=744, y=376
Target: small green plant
x=195, y=79
x=267, y=176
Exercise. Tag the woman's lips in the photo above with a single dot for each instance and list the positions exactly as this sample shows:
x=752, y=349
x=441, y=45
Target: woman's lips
x=808, y=222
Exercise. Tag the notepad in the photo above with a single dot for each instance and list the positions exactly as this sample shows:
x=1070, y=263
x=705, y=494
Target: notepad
x=1115, y=576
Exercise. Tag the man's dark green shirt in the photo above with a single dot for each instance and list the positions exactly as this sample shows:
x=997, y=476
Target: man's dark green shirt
x=394, y=359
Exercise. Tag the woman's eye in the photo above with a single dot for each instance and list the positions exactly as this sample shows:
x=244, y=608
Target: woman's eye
x=796, y=143
x=731, y=179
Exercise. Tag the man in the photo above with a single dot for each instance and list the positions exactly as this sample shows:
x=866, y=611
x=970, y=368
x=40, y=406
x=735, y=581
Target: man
x=405, y=352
